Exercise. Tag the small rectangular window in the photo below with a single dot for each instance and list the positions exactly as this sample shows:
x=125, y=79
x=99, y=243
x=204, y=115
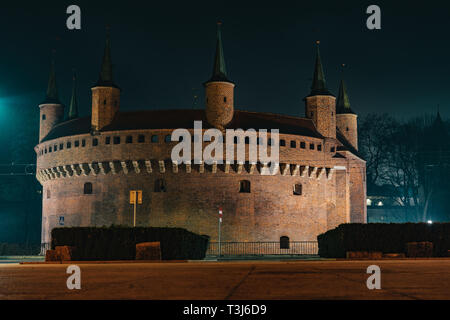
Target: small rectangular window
x=141, y=138
x=95, y=142
x=319, y=147
x=154, y=138
x=293, y=144
x=303, y=145
x=77, y=144
x=55, y=147
x=282, y=143
x=332, y=149
x=83, y=143
x=50, y=149
x=311, y=146
x=116, y=140
x=69, y=145
x=61, y=146
x=129, y=139
x=108, y=140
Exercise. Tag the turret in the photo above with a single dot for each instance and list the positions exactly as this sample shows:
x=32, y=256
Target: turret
x=320, y=104
x=105, y=93
x=346, y=119
x=219, y=90
x=51, y=109
x=73, y=107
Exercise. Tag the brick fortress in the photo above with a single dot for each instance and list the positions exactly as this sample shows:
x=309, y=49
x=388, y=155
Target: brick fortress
x=88, y=165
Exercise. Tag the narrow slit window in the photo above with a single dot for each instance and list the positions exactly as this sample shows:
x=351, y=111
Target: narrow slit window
x=244, y=186
x=88, y=188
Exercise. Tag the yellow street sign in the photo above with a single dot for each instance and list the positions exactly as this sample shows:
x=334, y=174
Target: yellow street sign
x=133, y=194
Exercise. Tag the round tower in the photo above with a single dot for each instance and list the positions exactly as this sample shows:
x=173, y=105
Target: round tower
x=51, y=109
x=320, y=104
x=219, y=91
x=105, y=93
x=346, y=118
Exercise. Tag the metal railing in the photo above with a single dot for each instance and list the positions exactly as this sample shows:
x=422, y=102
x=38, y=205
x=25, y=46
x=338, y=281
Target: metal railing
x=262, y=248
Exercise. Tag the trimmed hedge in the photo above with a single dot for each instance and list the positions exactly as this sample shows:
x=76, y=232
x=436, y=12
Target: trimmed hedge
x=119, y=243
x=387, y=238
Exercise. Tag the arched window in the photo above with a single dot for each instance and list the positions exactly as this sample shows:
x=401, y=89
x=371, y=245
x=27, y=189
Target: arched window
x=244, y=186
x=88, y=188
x=160, y=185
x=297, y=189
x=284, y=242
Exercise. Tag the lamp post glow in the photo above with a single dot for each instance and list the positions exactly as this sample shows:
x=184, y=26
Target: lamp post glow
x=429, y=222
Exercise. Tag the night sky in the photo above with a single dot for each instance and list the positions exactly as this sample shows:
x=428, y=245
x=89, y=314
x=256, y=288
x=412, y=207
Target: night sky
x=163, y=51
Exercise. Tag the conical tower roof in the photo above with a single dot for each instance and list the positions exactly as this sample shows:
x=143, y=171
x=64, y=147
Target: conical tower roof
x=105, y=78
x=219, y=70
x=319, y=86
x=342, y=102
x=73, y=108
x=52, y=90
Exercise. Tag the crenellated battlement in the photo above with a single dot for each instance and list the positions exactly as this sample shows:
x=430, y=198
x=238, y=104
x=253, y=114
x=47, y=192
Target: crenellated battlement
x=166, y=166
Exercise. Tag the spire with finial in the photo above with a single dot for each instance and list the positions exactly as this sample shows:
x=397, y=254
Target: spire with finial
x=219, y=70
x=343, y=103
x=73, y=108
x=106, y=73
x=52, y=90
x=319, y=84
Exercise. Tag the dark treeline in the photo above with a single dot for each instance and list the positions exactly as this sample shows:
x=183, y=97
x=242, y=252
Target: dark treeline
x=408, y=161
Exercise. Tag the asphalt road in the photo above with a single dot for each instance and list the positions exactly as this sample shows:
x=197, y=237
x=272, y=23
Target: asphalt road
x=400, y=279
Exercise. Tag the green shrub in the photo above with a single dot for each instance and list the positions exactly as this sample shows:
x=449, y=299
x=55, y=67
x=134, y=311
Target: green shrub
x=387, y=238
x=119, y=243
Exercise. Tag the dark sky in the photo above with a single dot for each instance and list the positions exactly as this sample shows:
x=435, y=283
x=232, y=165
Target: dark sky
x=162, y=50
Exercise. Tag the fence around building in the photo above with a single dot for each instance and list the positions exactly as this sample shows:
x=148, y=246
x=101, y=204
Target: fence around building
x=263, y=248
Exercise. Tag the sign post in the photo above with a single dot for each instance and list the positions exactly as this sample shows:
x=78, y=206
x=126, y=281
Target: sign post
x=135, y=198
x=220, y=224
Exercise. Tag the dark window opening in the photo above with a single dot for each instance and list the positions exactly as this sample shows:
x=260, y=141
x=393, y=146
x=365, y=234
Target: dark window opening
x=104, y=101
x=83, y=143
x=45, y=150
x=319, y=147
x=311, y=146
x=346, y=129
x=141, y=138
x=77, y=144
x=129, y=139
x=244, y=186
x=160, y=185
x=282, y=143
x=168, y=138
x=49, y=149
x=236, y=140
x=69, y=145
x=61, y=146
x=302, y=145
x=88, y=188
x=48, y=193
x=332, y=149
x=95, y=142
x=116, y=140
x=154, y=138
x=293, y=144
x=297, y=189
x=55, y=147
x=284, y=242
x=43, y=117
x=107, y=140
x=224, y=99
